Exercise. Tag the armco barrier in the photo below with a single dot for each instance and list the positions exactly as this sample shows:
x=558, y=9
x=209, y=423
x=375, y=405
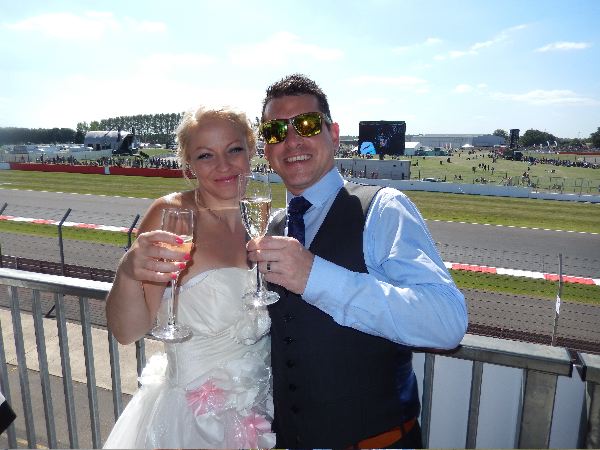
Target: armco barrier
x=100, y=170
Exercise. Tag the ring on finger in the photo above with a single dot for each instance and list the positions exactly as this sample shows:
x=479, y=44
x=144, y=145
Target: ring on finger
x=268, y=266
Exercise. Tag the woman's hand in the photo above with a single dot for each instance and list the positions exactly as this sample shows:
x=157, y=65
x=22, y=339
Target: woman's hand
x=155, y=256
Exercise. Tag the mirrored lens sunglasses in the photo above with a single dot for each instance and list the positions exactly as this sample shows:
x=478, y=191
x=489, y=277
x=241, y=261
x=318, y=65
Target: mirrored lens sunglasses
x=306, y=125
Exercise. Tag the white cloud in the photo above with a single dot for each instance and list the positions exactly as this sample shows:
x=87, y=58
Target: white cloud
x=463, y=88
x=432, y=41
x=89, y=25
x=145, y=26
x=426, y=43
x=421, y=66
x=281, y=48
x=548, y=97
x=564, y=46
x=103, y=102
x=175, y=62
x=477, y=46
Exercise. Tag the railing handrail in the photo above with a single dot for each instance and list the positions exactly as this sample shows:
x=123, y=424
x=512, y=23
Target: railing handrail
x=541, y=364
x=518, y=354
x=54, y=283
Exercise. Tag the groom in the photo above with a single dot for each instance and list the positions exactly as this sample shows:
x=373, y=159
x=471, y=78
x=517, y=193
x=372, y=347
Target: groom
x=360, y=282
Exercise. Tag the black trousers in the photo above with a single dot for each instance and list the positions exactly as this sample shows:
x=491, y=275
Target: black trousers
x=413, y=439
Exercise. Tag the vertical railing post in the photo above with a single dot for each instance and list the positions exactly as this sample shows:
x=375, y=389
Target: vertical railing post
x=4, y=386
x=538, y=405
x=140, y=357
x=474, y=401
x=90, y=372
x=427, y=400
x=558, y=299
x=590, y=374
x=65, y=361
x=592, y=437
x=60, y=242
x=22, y=366
x=115, y=374
x=1, y=211
x=44, y=370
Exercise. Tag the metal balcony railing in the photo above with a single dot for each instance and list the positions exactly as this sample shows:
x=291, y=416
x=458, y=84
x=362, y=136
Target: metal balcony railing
x=478, y=368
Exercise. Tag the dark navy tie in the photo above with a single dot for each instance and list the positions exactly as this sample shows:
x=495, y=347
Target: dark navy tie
x=296, y=209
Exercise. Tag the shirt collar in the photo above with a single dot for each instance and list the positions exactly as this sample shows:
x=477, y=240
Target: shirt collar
x=319, y=192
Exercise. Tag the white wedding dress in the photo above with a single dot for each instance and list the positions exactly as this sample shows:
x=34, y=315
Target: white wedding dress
x=213, y=391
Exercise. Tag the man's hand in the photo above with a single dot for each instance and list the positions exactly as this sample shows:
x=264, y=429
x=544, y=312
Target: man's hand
x=283, y=261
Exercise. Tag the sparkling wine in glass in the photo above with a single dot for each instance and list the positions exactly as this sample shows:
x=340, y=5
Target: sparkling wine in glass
x=255, y=207
x=180, y=222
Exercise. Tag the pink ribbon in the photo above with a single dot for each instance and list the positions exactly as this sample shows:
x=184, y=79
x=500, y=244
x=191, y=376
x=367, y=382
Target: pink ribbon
x=255, y=425
x=206, y=398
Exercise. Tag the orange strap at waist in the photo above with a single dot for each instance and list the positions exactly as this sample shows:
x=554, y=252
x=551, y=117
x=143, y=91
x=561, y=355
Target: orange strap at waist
x=389, y=437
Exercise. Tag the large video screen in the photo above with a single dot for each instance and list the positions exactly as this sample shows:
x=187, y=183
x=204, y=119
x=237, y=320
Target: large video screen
x=381, y=137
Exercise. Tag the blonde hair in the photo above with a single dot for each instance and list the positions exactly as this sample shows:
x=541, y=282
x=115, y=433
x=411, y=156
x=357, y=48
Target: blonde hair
x=191, y=119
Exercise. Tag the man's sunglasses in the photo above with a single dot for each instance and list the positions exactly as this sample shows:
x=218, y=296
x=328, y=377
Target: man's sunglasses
x=306, y=125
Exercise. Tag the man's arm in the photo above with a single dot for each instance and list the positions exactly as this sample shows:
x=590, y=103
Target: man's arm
x=408, y=295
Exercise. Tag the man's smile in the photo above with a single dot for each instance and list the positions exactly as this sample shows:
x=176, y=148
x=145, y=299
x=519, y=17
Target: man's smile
x=293, y=159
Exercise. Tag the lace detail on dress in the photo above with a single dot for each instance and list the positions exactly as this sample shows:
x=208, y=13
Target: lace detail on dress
x=253, y=325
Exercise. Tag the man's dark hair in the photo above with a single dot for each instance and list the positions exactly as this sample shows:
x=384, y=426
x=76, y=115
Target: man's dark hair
x=296, y=84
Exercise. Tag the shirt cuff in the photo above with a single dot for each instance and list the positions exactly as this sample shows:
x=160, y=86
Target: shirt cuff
x=323, y=275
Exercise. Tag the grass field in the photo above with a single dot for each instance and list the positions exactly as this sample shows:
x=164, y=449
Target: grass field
x=550, y=214
x=456, y=207
x=578, y=180
x=582, y=293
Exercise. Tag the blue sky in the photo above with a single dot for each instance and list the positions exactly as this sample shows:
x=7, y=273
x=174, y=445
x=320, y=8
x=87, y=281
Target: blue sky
x=442, y=66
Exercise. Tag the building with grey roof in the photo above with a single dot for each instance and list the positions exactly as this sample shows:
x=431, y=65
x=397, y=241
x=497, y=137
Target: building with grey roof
x=120, y=142
x=456, y=140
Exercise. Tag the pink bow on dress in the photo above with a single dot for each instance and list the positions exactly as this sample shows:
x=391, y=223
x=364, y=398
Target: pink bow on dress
x=207, y=397
x=255, y=425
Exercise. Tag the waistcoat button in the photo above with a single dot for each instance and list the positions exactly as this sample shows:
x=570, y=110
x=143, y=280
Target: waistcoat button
x=288, y=340
x=293, y=387
x=290, y=363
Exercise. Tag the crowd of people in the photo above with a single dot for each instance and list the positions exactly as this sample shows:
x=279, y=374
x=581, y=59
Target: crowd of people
x=152, y=162
x=563, y=162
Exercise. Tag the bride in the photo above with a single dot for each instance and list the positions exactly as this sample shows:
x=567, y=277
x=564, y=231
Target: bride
x=212, y=391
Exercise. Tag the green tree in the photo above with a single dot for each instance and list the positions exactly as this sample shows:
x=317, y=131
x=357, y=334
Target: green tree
x=82, y=129
x=595, y=137
x=502, y=133
x=536, y=137
x=576, y=142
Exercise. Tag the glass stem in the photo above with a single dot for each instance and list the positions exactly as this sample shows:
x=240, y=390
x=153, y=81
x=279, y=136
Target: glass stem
x=171, y=304
x=259, y=280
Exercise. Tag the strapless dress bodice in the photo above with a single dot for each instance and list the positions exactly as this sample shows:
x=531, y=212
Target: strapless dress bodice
x=210, y=303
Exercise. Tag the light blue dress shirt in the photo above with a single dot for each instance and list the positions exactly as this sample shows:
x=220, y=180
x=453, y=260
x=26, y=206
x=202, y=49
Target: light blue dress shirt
x=407, y=296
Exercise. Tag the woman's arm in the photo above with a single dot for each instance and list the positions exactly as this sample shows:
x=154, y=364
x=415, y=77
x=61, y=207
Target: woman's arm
x=141, y=278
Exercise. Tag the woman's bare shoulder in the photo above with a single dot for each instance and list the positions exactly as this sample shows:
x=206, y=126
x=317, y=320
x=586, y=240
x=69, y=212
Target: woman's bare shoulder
x=153, y=216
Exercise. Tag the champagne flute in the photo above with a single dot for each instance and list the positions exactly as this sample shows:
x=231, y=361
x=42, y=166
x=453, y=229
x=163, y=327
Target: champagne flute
x=181, y=223
x=255, y=207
